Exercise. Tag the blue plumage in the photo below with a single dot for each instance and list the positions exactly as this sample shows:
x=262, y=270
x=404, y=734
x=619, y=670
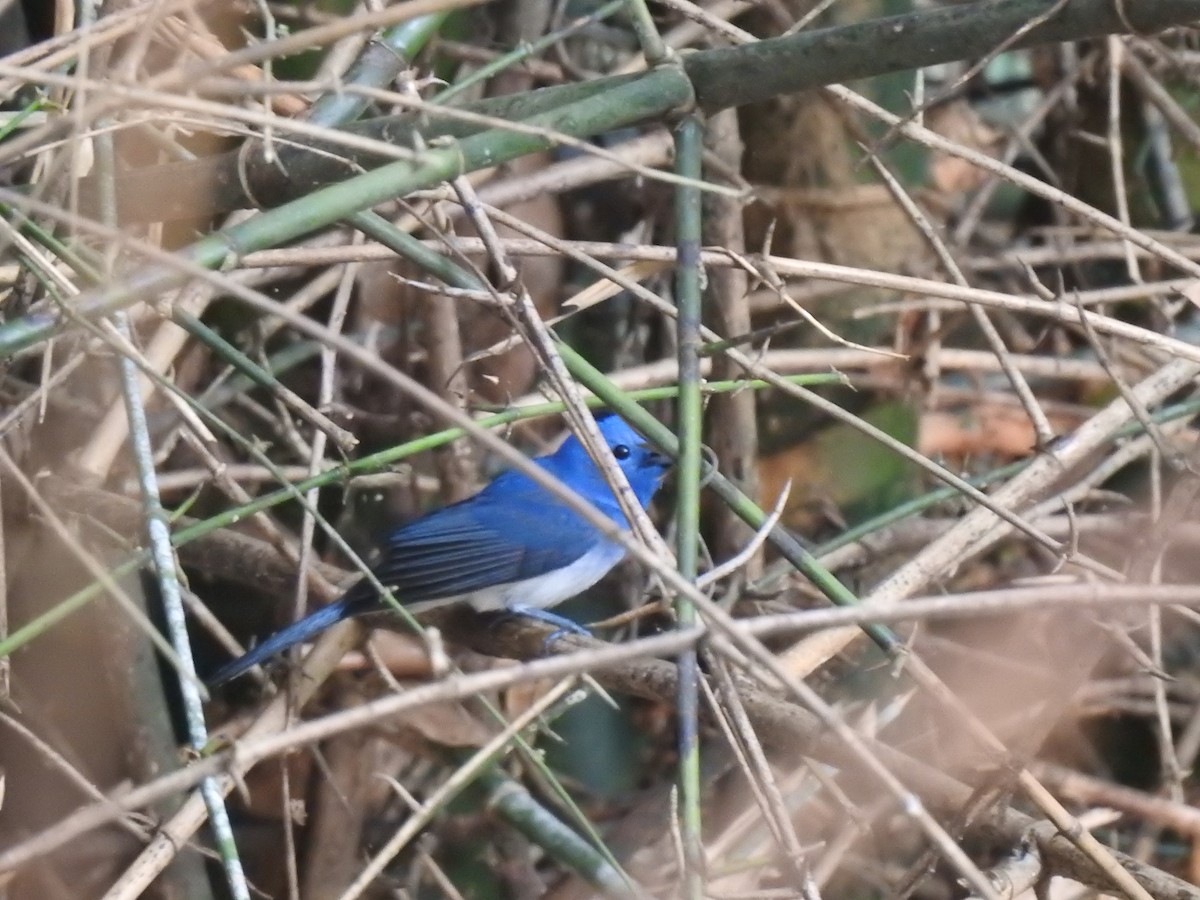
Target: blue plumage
x=513, y=545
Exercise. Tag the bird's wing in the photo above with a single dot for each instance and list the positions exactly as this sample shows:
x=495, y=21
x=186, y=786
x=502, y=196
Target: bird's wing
x=478, y=544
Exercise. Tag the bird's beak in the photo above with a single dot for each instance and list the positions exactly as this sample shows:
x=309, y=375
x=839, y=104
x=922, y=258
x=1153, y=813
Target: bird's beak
x=661, y=459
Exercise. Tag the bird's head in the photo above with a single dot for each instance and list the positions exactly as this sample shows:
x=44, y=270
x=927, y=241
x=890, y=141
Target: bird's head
x=644, y=467
x=642, y=464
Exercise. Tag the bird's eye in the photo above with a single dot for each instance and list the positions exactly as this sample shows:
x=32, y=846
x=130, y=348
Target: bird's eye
x=621, y=451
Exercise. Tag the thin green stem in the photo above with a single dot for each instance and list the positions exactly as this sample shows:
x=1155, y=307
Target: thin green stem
x=653, y=47
x=261, y=377
x=915, y=507
x=381, y=61
x=689, y=145
x=500, y=63
x=13, y=120
x=380, y=229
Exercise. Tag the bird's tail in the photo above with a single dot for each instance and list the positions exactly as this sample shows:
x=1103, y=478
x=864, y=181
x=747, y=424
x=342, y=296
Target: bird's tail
x=308, y=627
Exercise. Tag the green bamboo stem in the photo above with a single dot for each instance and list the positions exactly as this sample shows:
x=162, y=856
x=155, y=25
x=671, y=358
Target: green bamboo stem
x=510, y=800
x=654, y=50
x=380, y=62
x=237, y=179
x=722, y=78
x=637, y=101
x=689, y=145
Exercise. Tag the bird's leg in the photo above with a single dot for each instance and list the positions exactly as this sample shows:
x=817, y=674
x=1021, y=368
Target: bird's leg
x=564, y=625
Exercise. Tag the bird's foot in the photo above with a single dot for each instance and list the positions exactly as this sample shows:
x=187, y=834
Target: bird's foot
x=564, y=625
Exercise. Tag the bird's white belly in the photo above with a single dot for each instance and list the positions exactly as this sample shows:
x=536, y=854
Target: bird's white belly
x=544, y=590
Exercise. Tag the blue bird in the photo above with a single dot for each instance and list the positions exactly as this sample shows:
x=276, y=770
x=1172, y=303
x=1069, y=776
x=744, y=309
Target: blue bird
x=513, y=546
